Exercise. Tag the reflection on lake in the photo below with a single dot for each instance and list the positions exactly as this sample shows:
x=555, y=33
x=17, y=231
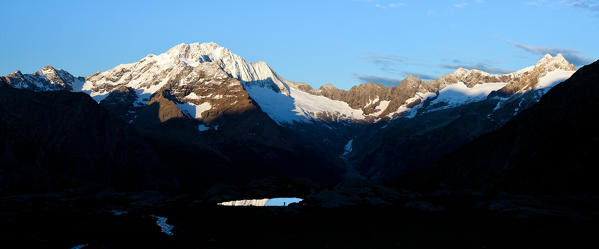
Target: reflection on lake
x=269, y=202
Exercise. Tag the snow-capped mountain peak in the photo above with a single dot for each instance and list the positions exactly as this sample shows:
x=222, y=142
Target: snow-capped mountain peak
x=460, y=72
x=235, y=65
x=412, y=78
x=203, y=75
x=55, y=77
x=545, y=58
x=17, y=73
x=195, y=53
x=46, y=79
x=555, y=62
x=154, y=71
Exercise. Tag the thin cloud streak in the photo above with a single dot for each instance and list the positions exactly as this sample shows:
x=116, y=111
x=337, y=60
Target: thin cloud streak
x=382, y=5
x=590, y=5
x=378, y=79
x=572, y=55
x=478, y=66
x=391, y=5
x=535, y=3
x=387, y=81
x=395, y=5
x=387, y=63
x=390, y=63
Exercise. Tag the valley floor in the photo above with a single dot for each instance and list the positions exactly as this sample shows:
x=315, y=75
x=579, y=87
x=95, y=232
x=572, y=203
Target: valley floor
x=99, y=222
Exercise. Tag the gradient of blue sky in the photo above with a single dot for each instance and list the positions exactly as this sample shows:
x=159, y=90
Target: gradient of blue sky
x=343, y=42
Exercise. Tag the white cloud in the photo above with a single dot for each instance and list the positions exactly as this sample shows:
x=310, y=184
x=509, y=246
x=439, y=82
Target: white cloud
x=589, y=4
x=535, y=3
x=460, y=5
x=382, y=4
x=592, y=5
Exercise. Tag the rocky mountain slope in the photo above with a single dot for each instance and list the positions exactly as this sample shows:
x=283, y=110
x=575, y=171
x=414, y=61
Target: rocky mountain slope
x=55, y=140
x=209, y=81
x=204, y=97
x=74, y=171
x=46, y=79
x=548, y=148
x=442, y=122
x=460, y=87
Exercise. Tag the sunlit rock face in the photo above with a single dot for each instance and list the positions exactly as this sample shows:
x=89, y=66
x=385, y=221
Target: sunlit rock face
x=46, y=79
x=211, y=99
x=208, y=81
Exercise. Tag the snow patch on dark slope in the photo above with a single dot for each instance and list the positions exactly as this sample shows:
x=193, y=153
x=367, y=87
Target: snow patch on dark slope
x=348, y=147
x=548, y=148
x=207, y=86
x=194, y=71
x=46, y=79
x=164, y=227
x=408, y=143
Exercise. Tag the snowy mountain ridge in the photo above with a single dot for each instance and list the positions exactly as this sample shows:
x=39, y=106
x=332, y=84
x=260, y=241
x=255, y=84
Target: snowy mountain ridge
x=208, y=80
x=154, y=71
x=414, y=96
x=237, y=67
x=46, y=79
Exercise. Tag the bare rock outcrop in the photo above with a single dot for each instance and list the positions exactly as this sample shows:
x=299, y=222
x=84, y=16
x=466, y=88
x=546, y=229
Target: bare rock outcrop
x=46, y=79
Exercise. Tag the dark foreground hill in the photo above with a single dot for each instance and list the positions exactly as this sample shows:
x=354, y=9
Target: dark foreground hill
x=52, y=141
x=56, y=140
x=548, y=149
x=530, y=184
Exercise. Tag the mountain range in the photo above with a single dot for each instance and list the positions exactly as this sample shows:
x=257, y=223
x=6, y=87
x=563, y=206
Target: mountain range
x=546, y=149
x=199, y=112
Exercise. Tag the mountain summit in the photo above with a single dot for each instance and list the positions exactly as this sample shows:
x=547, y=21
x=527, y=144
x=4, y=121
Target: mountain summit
x=46, y=79
x=205, y=94
x=195, y=75
x=154, y=71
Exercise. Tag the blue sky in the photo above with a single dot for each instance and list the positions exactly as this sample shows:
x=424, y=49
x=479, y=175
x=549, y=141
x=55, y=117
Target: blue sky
x=343, y=42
